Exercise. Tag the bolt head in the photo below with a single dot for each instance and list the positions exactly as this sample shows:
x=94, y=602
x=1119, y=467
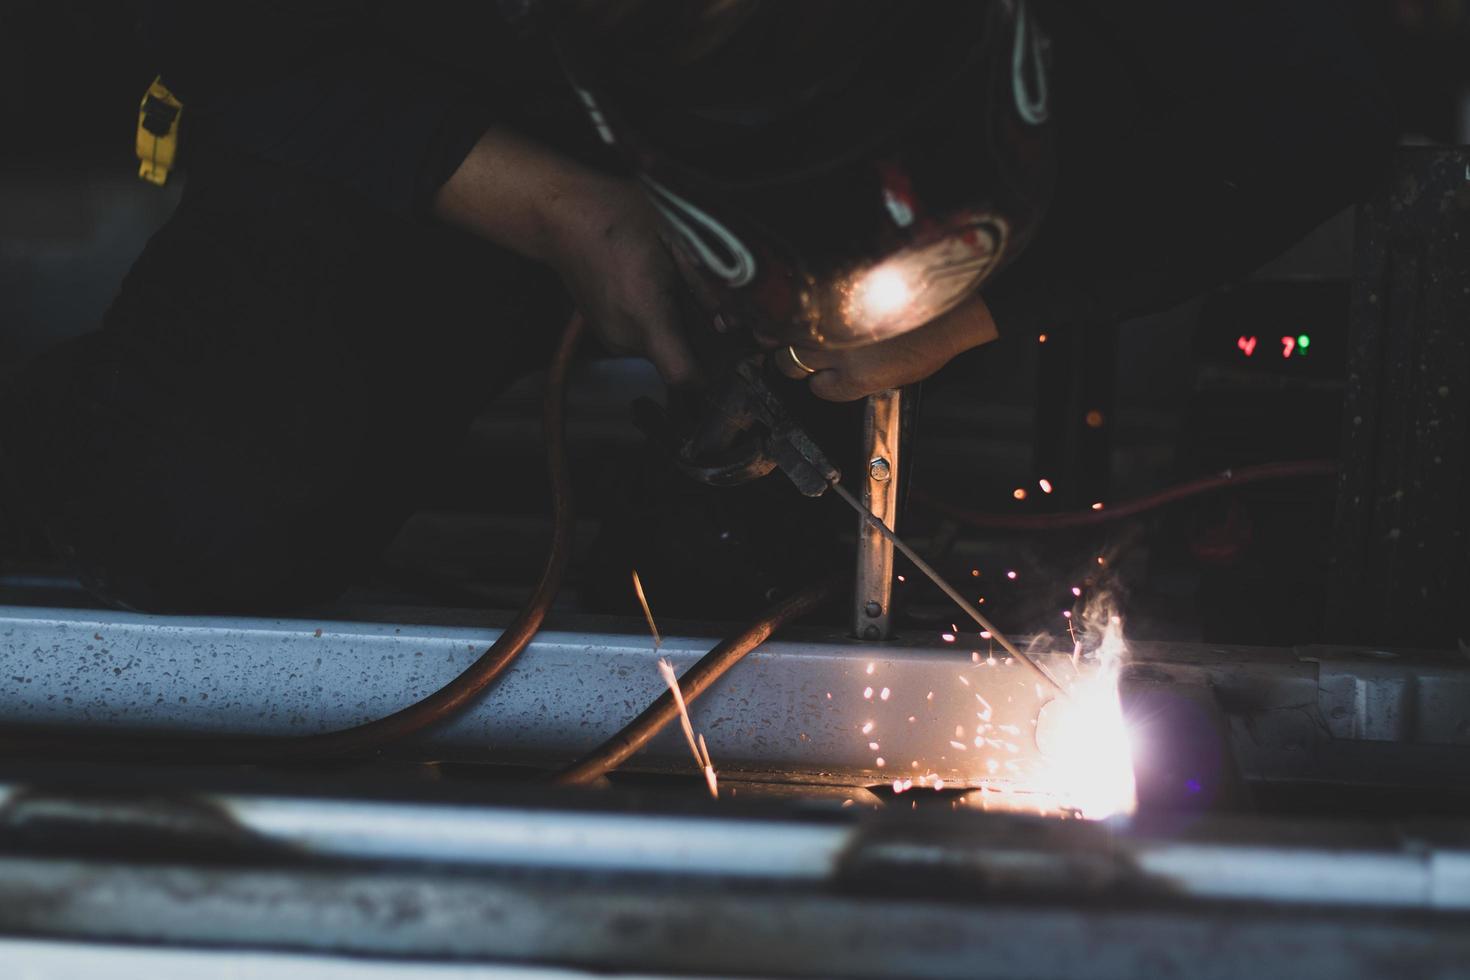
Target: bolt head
x=873, y=609
x=880, y=470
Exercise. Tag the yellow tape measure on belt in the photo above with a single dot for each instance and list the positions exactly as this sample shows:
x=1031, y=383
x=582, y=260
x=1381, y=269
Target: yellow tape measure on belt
x=157, y=144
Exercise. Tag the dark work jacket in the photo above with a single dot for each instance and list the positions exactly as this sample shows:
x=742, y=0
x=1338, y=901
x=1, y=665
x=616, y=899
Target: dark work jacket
x=1196, y=138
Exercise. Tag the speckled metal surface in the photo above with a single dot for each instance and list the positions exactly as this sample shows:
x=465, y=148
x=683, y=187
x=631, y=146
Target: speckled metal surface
x=807, y=706
x=799, y=707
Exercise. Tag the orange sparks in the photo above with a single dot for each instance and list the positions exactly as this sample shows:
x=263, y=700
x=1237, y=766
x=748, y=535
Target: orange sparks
x=647, y=612
x=1019, y=493
x=1077, y=591
x=1011, y=575
x=1041, y=339
x=1045, y=485
x=709, y=769
x=1097, y=505
x=700, y=750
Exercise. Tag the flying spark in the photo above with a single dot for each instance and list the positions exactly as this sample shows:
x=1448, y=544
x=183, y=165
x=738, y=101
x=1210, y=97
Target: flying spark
x=647, y=612
x=700, y=750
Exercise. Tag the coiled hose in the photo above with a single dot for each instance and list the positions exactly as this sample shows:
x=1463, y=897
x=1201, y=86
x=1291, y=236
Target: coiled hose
x=470, y=683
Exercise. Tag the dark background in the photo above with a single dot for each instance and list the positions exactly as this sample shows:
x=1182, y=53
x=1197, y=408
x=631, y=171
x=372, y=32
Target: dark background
x=1179, y=398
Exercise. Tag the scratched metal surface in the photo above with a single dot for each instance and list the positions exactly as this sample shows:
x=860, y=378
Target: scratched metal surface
x=802, y=706
x=1334, y=713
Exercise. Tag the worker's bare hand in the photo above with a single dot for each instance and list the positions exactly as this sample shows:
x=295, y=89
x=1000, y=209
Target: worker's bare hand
x=607, y=246
x=598, y=232
x=847, y=375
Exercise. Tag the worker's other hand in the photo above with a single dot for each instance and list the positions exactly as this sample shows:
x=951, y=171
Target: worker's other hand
x=847, y=375
x=597, y=231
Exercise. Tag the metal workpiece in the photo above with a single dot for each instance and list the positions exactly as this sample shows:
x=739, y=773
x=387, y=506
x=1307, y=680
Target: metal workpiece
x=940, y=852
x=39, y=959
x=873, y=599
x=617, y=926
x=846, y=893
x=807, y=704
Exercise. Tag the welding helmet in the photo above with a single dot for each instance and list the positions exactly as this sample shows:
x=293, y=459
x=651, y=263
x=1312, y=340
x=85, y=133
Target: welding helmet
x=833, y=172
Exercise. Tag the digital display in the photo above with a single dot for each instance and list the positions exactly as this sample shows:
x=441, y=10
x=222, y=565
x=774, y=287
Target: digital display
x=1282, y=329
x=1297, y=345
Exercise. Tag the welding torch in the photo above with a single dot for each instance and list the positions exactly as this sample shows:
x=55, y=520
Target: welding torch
x=798, y=455
x=971, y=610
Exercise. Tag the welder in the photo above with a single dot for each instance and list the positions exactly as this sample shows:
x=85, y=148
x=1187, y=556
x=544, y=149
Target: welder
x=390, y=207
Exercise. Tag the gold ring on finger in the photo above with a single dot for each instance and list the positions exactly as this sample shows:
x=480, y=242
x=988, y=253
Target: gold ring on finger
x=791, y=352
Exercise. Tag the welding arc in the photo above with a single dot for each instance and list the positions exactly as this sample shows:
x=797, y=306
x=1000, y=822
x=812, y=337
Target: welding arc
x=434, y=708
x=696, y=680
x=1237, y=477
x=969, y=607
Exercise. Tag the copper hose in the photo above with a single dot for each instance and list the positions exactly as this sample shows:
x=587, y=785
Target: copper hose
x=431, y=710
x=474, y=679
x=469, y=684
x=695, y=681
x=1238, y=477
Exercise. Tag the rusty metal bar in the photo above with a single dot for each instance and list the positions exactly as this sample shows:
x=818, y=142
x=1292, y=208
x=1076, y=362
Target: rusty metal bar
x=873, y=599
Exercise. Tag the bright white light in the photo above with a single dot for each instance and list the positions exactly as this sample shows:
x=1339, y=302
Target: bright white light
x=1089, y=761
x=882, y=292
x=912, y=287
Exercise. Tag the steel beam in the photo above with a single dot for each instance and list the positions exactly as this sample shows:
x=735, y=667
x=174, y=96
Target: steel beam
x=798, y=706
x=810, y=704
x=588, y=885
